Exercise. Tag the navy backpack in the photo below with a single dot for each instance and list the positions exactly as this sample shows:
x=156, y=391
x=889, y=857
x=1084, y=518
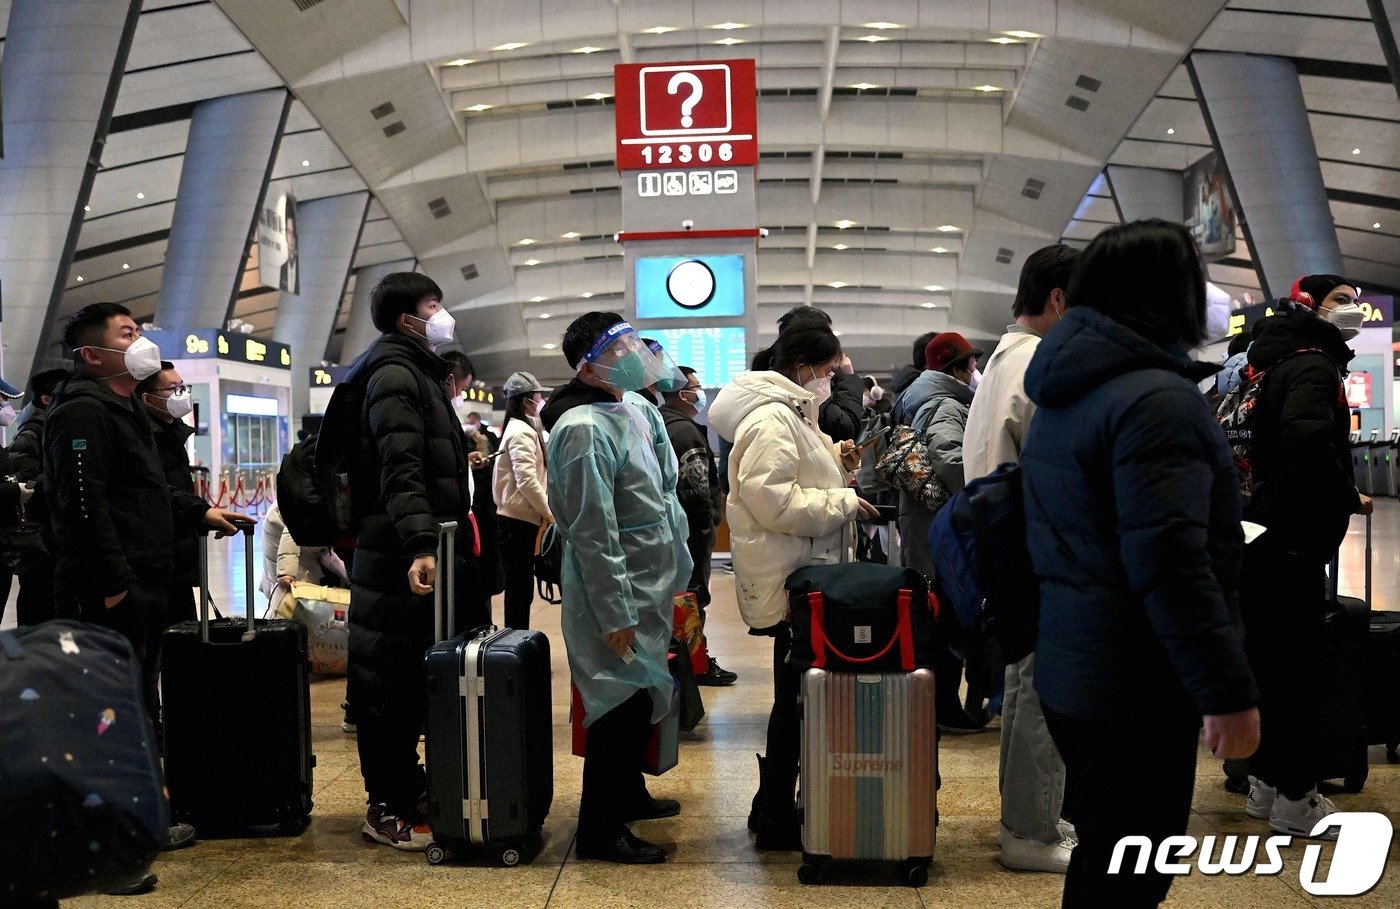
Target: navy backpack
x=984, y=565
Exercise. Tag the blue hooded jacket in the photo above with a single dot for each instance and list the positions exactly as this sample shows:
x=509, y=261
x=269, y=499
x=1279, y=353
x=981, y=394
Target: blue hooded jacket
x=1133, y=523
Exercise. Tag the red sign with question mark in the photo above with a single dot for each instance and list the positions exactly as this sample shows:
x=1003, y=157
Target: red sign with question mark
x=686, y=115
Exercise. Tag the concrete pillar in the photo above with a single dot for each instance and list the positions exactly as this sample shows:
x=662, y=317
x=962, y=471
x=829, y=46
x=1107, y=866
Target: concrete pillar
x=1254, y=109
x=62, y=67
x=1145, y=192
x=328, y=231
x=360, y=333
x=228, y=162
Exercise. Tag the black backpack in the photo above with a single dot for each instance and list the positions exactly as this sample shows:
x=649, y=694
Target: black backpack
x=1235, y=414
x=338, y=455
x=304, y=510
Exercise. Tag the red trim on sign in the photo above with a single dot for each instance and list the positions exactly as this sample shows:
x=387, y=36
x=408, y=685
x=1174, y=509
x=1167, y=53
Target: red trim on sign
x=627, y=236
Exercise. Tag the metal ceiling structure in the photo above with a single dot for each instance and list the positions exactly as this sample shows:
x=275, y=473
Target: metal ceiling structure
x=914, y=152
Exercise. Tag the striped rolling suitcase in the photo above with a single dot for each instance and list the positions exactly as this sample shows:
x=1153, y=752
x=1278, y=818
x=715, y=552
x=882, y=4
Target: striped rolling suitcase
x=869, y=771
x=490, y=738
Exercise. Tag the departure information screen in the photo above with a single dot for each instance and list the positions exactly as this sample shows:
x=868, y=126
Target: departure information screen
x=716, y=354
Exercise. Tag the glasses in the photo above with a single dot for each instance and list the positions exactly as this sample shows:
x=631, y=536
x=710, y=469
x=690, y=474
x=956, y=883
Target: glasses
x=175, y=389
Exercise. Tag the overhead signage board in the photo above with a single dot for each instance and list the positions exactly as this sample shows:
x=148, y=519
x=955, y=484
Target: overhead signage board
x=278, y=263
x=1208, y=210
x=210, y=343
x=326, y=376
x=698, y=115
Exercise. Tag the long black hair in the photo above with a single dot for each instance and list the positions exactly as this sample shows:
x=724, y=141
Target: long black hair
x=1148, y=276
x=515, y=409
x=805, y=344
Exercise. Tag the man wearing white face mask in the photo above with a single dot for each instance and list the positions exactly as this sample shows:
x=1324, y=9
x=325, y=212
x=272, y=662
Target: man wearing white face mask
x=1303, y=491
x=112, y=511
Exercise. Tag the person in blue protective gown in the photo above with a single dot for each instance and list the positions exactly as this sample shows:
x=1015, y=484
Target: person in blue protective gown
x=612, y=489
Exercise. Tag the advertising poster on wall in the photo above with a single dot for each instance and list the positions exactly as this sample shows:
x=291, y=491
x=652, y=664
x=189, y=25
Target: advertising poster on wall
x=277, y=242
x=1208, y=211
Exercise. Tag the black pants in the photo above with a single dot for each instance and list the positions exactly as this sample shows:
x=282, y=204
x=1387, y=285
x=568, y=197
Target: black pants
x=517, y=542
x=1284, y=603
x=140, y=618
x=1105, y=762
x=701, y=547
x=613, y=788
x=782, y=761
x=35, y=600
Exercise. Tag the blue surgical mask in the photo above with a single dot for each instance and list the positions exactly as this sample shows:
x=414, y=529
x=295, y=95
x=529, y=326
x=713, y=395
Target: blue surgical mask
x=700, y=400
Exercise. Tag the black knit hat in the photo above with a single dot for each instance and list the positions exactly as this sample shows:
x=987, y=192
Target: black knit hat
x=1317, y=287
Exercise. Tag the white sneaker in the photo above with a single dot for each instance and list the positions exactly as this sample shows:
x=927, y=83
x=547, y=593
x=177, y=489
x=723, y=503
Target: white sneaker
x=1260, y=803
x=1067, y=831
x=1299, y=817
x=1019, y=854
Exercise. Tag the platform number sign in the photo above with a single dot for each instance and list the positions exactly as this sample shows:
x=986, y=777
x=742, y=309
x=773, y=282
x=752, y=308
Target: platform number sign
x=686, y=115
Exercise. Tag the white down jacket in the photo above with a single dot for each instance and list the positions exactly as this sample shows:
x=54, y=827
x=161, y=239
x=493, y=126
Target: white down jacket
x=789, y=497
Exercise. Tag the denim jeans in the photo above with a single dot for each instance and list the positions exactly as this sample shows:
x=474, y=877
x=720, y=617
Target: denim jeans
x=1032, y=776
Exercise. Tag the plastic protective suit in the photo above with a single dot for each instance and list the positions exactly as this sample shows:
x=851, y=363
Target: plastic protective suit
x=612, y=488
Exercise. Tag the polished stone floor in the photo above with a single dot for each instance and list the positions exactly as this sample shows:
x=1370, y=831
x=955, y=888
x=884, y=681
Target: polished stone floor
x=712, y=859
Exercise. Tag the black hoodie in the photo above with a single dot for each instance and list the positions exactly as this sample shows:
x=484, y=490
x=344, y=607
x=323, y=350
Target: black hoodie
x=1304, y=489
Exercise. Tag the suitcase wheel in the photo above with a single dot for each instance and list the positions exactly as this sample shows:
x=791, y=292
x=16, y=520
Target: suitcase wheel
x=510, y=857
x=913, y=873
x=1392, y=752
x=810, y=871
x=294, y=826
x=437, y=854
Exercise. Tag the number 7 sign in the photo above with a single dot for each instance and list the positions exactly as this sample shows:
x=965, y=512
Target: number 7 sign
x=686, y=114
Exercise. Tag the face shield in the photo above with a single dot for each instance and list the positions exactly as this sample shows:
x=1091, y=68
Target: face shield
x=674, y=380
x=622, y=361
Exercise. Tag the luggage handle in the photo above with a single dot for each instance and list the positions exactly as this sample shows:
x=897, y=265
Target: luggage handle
x=1335, y=570
x=446, y=556
x=205, y=599
x=903, y=634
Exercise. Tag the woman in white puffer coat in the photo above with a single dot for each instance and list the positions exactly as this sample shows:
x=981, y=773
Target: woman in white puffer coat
x=790, y=502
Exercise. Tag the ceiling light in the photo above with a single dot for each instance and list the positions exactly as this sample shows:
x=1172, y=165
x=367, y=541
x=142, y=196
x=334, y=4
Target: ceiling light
x=549, y=347
x=538, y=299
x=587, y=50
x=1356, y=151
x=140, y=195
x=80, y=277
x=836, y=333
x=987, y=88
x=872, y=39
x=837, y=284
x=478, y=108
x=1376, y=226
x=949, y=228
x=598, y=96
x=1021, y=34
x=125, y=266
x=527, y=242
x=730, y=25
x=864, y=86
x=306, y=164
x=587, y=295
x=513, y=45
x=882, y=25
x=1171, y=132
x=840, y=246
x=463, y=61
x=544, y=315
x=730, y=42
x=531, y=263
x=845, y=223
x=938, y=249
x=571, y=235
x=929, y=305
x=87, y=208
x=1005, y=41
x=934, y=288
x=658, y=30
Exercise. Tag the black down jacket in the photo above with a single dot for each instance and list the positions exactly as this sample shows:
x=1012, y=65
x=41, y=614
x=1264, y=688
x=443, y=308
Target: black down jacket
x=411, y=476
x=1133, y=523
x=189, y=508
x=107, y=495
x=1304, y=488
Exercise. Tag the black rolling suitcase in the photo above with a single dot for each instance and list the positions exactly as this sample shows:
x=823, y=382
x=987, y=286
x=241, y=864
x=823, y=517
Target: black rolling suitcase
x=1382, y=671
x=490, y=739
x=237, y=698
x=1342, y=754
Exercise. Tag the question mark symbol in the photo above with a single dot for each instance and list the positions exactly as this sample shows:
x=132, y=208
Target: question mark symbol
x=688, y=105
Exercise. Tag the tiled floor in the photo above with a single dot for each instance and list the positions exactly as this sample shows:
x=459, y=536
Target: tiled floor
x=712, y=861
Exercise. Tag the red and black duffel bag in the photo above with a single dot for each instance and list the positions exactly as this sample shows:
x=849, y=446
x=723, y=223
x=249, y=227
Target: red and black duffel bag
x=861, y=617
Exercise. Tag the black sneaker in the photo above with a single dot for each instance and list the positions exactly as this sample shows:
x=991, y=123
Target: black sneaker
x=779, y=836
x=179, y=836
x=715, y=676
x=625, y=850
x=139, y=887
x=658, y=808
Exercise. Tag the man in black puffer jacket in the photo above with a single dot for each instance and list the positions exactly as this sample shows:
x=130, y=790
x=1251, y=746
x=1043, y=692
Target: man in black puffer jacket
x=410, y=476
x=1303, y=491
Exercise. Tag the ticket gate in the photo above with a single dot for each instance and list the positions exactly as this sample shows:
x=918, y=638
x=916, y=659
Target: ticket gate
x=1360, y=460
x=1393, y=464
x=1380, y=457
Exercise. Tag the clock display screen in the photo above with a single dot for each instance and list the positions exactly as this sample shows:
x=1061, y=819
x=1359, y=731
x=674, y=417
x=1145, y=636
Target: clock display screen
x=690, y=287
